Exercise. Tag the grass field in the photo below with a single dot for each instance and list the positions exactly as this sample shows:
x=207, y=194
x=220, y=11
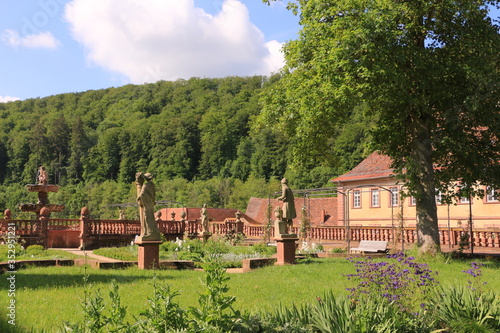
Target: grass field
x=35, y=252
x=47, y=296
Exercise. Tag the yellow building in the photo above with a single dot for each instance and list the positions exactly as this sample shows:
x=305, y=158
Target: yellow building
x=372, y=198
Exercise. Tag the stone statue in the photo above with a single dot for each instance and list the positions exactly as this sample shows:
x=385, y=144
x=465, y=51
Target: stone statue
x=42, y=177
x=146, y=201
x=204, y=219
x=288, y=203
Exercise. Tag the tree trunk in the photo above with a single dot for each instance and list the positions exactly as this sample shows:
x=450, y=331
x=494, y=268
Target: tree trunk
x=425, y=190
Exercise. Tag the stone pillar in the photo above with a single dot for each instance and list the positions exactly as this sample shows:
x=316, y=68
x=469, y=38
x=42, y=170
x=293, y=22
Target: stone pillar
x=204, y=237
x=84, y=228
x=286, y=249
x=148, y=254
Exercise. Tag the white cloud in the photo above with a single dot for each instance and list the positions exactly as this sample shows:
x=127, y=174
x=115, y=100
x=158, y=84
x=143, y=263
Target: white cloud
x=4, y=99
x=40, y=40
x=148, y=40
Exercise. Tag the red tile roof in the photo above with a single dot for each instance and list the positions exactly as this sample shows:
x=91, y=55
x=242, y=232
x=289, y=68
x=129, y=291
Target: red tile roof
x=322, y=211
x=374, y=166
x=214, y=214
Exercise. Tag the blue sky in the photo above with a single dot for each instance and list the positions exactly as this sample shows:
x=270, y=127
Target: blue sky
x=49, y=47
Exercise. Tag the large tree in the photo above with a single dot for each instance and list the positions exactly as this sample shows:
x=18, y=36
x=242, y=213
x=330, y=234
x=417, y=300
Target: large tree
x=428, y=70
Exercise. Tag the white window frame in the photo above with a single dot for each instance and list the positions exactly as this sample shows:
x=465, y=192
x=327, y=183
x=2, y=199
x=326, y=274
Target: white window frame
x=394, y=196
x=491, y=194
x=356, y=199
x=439, y=197
x=375, y=197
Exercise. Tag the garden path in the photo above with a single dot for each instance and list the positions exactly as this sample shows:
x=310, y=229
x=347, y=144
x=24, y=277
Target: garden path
x=90, y=254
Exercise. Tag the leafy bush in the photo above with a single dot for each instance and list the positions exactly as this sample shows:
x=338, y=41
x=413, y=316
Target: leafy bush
x=5, y=255
x=465, y=309
x=311, y=248
x=264, y=250
x=233, y=238
x=34, y=250
x=338, y=250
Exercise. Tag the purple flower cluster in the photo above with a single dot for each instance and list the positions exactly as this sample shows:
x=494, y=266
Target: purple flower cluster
x=475, y=273
x=400, y=280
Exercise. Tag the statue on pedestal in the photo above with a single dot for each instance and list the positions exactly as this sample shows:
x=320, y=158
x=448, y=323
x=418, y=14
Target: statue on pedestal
x=289, y=212
x=146, y=202
x=204, y=219
x=42, y=177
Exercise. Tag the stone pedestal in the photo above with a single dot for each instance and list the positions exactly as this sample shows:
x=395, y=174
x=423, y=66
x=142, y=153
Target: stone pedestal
x=204, y=236
x=148, y=254
x=286, y=246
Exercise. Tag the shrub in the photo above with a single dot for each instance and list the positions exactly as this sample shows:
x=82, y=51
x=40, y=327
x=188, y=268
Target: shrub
x=6, y=251
x=34, y=250
x=264, y=250
x=465, y=309
x=338, y=250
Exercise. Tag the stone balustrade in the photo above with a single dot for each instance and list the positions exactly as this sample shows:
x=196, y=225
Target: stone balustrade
x=35, y=231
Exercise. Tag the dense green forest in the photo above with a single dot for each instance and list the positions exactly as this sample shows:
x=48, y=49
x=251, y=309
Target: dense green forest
x=196, y=136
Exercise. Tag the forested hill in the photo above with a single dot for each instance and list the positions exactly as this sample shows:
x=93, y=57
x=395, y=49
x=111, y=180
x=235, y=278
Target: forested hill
x=197, y=129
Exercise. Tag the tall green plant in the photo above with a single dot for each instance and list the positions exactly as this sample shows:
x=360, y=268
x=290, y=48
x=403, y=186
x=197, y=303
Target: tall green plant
x=98, y=315
x=215, y=307
x=163, y=314
x=468, y=309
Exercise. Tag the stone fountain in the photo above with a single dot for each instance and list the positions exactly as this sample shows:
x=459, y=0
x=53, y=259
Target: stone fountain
x=43, y=189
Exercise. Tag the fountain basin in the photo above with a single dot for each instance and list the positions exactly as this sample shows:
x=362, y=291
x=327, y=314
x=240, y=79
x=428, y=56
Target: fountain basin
x=38, y=207
x=42, y=188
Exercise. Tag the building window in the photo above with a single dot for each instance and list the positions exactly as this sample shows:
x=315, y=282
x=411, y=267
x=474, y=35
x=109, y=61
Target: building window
x=375, y=195
x=394, y=199
x=464, y=200
x=356, y=199
x=439, y=197
x=491, y=194
x=464, y=195
x=413, y=201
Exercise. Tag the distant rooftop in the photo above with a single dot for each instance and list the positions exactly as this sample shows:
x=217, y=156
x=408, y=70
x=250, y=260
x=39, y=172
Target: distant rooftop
x=374, y=166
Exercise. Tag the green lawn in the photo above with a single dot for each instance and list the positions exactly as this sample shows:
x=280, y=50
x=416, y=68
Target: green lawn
x=34, y=252
x=46, y=296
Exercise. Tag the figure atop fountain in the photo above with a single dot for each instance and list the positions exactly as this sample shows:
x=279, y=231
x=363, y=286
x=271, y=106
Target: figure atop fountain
x=42, y=176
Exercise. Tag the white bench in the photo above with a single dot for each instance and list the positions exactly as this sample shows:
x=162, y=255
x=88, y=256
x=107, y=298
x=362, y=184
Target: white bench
x=370, y=246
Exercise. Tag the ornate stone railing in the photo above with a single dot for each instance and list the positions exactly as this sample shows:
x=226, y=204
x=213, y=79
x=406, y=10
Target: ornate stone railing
x=63, y=224
x=230, y=225
x=37, y=231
